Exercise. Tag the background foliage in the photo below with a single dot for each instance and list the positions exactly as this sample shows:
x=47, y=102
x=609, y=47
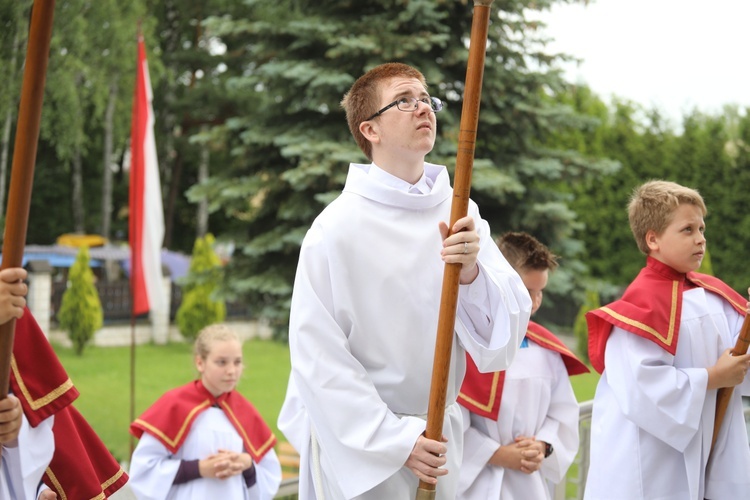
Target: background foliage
x=253, y=143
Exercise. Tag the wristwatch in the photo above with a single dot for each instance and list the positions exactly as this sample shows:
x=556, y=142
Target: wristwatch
x=548, y=449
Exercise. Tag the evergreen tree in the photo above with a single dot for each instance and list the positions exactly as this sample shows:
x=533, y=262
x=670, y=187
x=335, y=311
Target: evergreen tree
x=200, y=307
x=81, y=312
x=191, y=96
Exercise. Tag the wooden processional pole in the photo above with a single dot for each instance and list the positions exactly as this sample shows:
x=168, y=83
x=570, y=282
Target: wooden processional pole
x=24, y=158
x=725, y=393
x=459, y=208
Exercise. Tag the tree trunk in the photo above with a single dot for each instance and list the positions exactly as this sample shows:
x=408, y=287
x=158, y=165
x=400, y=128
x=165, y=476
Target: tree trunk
x=8, y=122
x=201, y=221
x=107, y=160
x=77, y=192
x=174, y=189
x=4, y=158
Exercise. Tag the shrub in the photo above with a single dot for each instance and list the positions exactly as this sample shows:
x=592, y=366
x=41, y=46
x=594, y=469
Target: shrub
x=81, y=312
x=199, y=306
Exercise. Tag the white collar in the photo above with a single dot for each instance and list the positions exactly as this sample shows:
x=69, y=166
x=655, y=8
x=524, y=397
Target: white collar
x=422, y=186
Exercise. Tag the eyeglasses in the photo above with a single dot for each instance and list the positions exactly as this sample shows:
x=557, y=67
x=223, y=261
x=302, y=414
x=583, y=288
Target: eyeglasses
x=409, y=104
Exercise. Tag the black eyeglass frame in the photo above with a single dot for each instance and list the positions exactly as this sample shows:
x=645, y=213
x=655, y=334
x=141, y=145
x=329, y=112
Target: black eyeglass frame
x=435, y=105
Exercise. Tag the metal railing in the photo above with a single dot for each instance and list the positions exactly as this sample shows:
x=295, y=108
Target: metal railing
x=576, y=478
x=574, y=482
x=115, y=299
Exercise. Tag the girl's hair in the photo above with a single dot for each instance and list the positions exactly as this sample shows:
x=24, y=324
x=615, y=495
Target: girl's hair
x=211, y=334
x=363, y=98
x=652, y=206
x=524, y=252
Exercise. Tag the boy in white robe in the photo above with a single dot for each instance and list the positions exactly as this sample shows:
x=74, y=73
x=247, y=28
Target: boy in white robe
x=664, y=349
x=521, y=425
x=26, y=450
x=365, y=306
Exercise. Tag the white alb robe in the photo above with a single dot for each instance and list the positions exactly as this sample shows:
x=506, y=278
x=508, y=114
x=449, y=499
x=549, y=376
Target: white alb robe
x=153, y=468
x=537, y=400
x=22, y=467
x=653, y=418
x=362, y=336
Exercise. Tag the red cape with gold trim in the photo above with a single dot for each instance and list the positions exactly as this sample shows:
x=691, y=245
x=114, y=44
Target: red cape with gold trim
x=36, y=377
x=651, y=307
x=169, y=419
x=81, y=467
x=481, y=393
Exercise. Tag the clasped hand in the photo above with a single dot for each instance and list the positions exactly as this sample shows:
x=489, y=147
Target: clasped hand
x=525, y=454
x=224, y=464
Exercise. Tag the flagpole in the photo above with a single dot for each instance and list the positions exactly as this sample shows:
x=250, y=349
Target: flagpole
x=132, y=362
x=133, y=208
x=24, y=159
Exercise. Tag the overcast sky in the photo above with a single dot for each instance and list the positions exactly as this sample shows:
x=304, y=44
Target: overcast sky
x=675, y=55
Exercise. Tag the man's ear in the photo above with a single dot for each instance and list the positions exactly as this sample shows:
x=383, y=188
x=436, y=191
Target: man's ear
x=370, y=131
x=651, y=242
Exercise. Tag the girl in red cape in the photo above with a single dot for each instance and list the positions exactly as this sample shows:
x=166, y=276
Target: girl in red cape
x=204, y=439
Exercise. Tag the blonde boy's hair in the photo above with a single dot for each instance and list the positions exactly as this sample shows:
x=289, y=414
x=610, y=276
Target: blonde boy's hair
x=524, y=252
x=363, y=98
x=652, y=206
x=210, y=334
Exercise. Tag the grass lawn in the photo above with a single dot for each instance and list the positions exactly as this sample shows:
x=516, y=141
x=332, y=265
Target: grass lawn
x=102, y=375
x=584, y=385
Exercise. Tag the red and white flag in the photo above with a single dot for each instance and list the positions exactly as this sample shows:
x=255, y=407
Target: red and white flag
x=146, y=211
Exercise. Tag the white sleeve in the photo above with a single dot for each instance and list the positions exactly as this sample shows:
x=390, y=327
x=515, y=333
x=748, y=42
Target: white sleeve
x=268, y=477
x=661, y=399
x=493, y=312
x=24, y=466
x=152, y=470
x=560, y=426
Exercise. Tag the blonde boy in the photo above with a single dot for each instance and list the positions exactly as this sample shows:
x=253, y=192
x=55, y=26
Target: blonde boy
x=663, y=350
